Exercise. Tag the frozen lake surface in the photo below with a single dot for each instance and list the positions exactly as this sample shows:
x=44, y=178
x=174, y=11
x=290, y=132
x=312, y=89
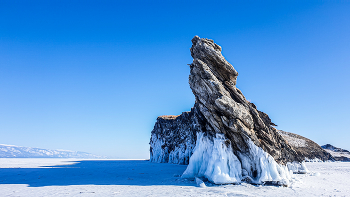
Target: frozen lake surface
x=69, y=177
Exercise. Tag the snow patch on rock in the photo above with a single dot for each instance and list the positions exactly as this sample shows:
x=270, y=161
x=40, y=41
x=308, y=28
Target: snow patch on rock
x=313, y=160
x=293, y=141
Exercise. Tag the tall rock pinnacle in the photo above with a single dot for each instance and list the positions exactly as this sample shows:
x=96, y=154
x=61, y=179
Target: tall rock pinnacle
x=224, y=137
x=213, y=82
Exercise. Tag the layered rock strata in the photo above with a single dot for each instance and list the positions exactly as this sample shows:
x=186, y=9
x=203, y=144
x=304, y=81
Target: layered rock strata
x=224, y=138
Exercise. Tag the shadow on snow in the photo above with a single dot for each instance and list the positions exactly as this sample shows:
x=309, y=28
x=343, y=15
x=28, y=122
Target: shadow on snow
x=97, y=172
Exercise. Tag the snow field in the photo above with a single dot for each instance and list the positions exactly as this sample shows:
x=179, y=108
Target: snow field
x=63, y=177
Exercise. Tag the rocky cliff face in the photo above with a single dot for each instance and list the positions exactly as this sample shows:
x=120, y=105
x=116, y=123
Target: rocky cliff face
x=305, y=147
x=226, y=137
x=174, y=137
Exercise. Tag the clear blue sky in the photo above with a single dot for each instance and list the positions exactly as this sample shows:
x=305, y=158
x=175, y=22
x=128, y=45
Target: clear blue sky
x=94, y=75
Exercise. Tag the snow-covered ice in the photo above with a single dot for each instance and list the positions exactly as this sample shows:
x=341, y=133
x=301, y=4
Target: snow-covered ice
x=69, y=177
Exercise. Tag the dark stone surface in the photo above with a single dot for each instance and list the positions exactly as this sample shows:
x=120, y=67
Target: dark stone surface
x=174, y=137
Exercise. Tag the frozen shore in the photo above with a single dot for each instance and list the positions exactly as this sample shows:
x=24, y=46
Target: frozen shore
x=69, y=177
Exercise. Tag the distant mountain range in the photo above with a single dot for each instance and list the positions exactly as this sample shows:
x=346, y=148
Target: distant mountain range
x=11, y=151
x=339, y=154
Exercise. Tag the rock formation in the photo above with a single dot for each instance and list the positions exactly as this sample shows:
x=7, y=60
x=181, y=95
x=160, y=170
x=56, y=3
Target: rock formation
x=174, y=137
x=224, y=137
x=305, y=147
x=338, y=154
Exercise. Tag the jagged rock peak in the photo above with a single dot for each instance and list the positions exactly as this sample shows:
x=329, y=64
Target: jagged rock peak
x=224, y=137
x=210, y=53
x=212, y=80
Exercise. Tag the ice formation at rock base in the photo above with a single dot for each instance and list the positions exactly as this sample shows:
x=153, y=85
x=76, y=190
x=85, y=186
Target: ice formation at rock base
x=215, y=160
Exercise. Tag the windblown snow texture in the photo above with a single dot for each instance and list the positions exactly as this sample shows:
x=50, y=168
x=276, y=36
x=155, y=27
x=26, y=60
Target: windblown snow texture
x=224, y=137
